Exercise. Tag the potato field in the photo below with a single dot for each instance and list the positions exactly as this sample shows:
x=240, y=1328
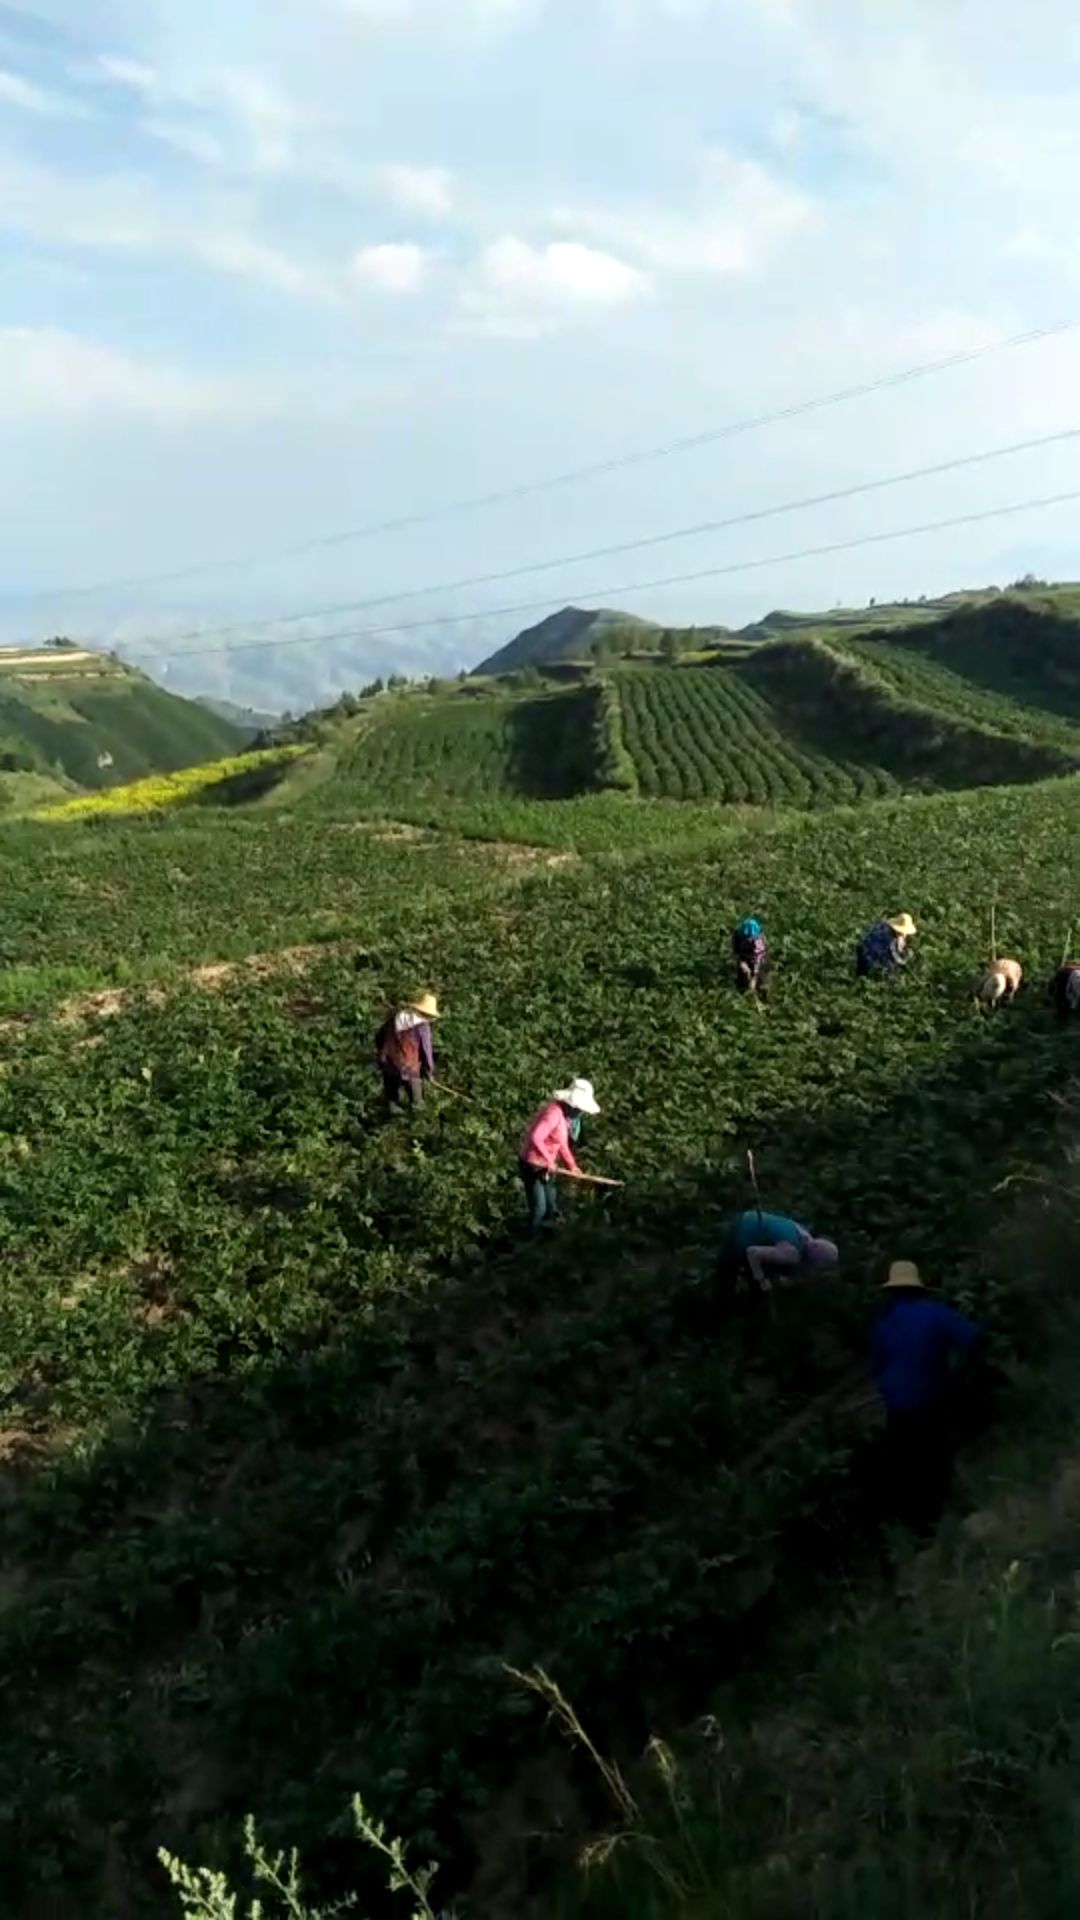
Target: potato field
x=302, y=1441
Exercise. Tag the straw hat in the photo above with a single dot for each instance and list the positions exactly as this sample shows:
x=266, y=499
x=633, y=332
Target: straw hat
x=904, y=925
x=579, y=1095
x=903, y=1273
x=427, y=1004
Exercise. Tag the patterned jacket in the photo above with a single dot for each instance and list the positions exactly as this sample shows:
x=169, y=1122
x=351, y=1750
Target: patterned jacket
x=403, y=1044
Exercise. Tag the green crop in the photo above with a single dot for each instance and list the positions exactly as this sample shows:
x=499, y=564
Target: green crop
x=302, y=1442
x=702, y=734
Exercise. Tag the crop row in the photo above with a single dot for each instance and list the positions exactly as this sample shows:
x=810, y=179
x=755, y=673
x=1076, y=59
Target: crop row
x=918, y=677
x=704, y=735
x=467, y=747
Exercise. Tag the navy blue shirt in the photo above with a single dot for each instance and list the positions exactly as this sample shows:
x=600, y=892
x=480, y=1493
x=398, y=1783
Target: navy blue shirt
x=914, y=1342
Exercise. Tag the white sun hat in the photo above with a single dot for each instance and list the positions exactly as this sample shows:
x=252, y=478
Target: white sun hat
x=579, y=1095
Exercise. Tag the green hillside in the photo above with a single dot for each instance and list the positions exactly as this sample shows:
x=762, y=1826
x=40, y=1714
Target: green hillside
x=83, y=718
x=416, y=748
x=809, y=721
x=1025, y=646
x=836, y=701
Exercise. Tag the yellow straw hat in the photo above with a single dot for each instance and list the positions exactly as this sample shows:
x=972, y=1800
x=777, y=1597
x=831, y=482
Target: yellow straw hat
x=427, y=1004
x=904, y=925
x=903, y=1273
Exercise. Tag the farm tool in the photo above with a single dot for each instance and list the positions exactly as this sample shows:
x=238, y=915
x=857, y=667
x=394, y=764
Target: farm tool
x=589, y=1179
x=457, y=1092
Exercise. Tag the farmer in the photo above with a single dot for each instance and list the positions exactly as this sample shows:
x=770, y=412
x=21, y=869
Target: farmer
x=404, y=1052
x=916, y=1340
x=768, y=1244
x=1001, y=983
x=546, y=1143
x=885, y=948
x=1064, y=989
x=751, y=951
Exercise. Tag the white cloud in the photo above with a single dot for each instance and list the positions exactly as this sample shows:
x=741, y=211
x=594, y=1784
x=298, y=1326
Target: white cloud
x=15, y=91
x=399, y=267
x=195, y=142
x=423, y=190
x=117, y=70
x=214, y=114
x=447, y=13
x=738, y=216
x=243, y=257
x=522, y=290
x=45, y=371
x=124, y=213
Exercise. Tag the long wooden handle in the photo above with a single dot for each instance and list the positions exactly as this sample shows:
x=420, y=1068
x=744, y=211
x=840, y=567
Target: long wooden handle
x=457, y=1092
x=591, y=1179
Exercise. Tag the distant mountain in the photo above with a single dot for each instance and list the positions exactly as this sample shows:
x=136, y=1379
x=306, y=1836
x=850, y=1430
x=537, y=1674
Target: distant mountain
x=579, y=633
x=574, y=634
x=83, y=717
x=248, y=719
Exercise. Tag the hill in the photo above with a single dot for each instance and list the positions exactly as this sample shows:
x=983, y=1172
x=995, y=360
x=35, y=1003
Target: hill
x=83, y=719
x=573, y=634
x=966, y=697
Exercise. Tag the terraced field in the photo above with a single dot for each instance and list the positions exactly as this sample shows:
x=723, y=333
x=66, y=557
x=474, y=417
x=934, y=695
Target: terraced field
x=704, y=734
x=468, y=746
x=919, y=678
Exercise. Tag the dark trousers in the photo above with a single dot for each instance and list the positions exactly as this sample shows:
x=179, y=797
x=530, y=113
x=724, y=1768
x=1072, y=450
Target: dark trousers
x=541, y=1194
x=745, y=981
x=401, y=1089
x=918, y=1465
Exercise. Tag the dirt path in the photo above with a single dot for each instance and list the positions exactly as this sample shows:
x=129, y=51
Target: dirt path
x=210, y=976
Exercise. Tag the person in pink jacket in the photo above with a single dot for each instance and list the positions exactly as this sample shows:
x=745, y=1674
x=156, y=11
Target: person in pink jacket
x=546, y=1144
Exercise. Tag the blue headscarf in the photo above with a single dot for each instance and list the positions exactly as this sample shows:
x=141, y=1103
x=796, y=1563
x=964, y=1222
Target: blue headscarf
x=750, y=929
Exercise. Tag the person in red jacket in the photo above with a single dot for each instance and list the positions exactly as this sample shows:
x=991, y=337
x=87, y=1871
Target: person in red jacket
x=545, y=1145
x=404, y=1052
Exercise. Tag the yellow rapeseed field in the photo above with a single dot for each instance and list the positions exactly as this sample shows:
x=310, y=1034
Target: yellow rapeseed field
x=162, y=791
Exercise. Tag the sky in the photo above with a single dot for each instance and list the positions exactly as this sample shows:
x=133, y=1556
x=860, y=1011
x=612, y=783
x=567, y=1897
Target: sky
x=269, y=273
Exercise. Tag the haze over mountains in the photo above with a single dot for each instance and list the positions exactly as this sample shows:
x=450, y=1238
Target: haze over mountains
x=294, y=667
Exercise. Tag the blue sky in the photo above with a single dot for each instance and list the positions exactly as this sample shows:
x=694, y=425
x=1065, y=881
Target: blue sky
x=268, y=271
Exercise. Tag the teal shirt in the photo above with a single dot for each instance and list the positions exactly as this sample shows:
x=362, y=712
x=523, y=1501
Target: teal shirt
x=754, y=1229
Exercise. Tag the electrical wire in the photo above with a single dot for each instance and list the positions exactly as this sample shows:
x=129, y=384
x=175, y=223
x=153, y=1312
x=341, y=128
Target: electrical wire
x=523, y=490
x=627, y=588
x=460, y=585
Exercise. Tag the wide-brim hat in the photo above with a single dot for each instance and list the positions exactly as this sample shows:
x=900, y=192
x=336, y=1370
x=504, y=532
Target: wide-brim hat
x=904, y=925
x=903, y=1273
x=427, y=1004
x=579, y=1095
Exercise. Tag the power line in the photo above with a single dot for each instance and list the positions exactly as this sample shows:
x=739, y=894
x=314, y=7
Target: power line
x=523, y=490
x=631, y=546
x=639, y=586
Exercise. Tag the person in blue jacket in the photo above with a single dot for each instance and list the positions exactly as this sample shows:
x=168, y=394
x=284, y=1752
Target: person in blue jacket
x=750, y=951
x=768, y=1246
x=884, y=950
x=917, y=1342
